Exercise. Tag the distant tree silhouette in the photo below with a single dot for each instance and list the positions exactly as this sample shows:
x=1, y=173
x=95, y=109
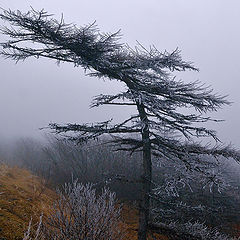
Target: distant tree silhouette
x=159, y=128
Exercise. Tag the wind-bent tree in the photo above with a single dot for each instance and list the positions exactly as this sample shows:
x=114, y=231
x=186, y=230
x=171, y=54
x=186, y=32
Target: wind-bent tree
x=159, y=127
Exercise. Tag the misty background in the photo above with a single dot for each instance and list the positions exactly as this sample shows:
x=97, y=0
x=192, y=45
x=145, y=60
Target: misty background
x=38, y=91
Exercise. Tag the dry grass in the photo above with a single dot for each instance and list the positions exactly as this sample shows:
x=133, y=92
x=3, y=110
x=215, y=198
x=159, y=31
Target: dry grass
x=22, y=196
x=130, y=224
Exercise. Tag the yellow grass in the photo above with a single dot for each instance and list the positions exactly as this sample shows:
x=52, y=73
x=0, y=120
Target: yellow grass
x=130, y=224
x=23, y=195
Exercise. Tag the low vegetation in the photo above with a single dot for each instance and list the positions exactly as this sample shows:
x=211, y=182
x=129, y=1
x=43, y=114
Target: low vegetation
x=79, y=213
x=194, y=210
x=27, y=209
x=22, y=196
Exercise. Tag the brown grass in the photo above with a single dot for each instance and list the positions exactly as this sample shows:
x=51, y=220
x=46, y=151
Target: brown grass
x=130, y=224
x=23, y=195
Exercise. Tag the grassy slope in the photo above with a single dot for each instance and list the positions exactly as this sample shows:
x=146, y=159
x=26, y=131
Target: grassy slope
x=23, y=196
x=130, y=224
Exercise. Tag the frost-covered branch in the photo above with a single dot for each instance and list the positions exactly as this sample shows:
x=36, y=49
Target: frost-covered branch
x=80, y=213
x=118, y=99
x=172, y=148
x=86, y=132
x=160, y=127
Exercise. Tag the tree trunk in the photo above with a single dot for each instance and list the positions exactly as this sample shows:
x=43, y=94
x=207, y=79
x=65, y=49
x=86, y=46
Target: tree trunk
x=146, y=176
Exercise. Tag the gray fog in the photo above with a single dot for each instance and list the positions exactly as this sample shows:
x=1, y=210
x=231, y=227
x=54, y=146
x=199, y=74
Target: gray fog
x=38, y=91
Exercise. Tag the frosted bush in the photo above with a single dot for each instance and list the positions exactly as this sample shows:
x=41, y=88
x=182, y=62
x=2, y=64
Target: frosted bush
x=197, y=231
x=80, y=213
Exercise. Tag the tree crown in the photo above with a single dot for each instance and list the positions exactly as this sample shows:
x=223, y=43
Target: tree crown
x=147, y=74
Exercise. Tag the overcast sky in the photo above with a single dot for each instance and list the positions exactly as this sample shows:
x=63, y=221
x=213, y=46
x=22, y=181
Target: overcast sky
x=36, y=92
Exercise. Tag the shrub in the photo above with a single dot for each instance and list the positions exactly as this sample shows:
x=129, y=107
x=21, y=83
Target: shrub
x=196, y=231
x=80, y=213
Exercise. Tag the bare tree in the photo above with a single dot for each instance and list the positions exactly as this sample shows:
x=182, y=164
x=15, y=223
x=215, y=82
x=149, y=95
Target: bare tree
x=159, y=127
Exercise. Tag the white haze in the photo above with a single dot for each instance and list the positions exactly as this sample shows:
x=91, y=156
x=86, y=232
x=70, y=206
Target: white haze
x=36, y=92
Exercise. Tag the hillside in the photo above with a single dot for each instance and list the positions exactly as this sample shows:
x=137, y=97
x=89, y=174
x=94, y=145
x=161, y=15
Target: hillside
x=23, y=195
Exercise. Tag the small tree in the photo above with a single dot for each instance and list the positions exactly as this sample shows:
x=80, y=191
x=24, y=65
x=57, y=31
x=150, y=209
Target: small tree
x=159, y=124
